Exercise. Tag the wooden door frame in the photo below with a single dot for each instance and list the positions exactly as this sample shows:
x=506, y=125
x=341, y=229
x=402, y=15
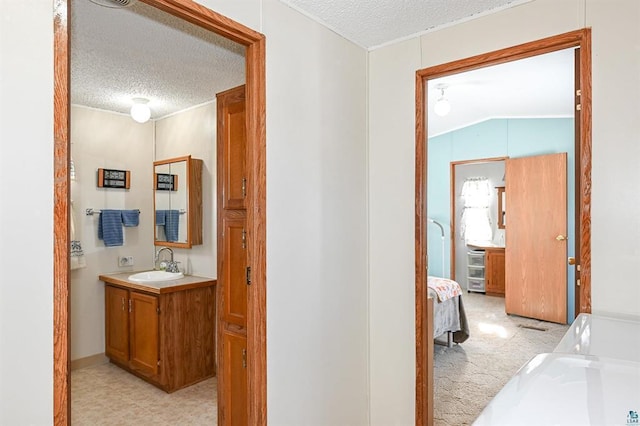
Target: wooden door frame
x=256, y=198
x=452, y=206
x=579, y=38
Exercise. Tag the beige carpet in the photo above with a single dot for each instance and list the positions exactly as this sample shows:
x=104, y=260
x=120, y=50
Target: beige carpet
x=108, y=395
x=468, y=375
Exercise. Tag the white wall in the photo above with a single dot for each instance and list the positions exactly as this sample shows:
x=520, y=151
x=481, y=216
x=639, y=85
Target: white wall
x=316, y=157
x=316, y=223
x=26, y=219
x=193, y=132
x=391, y=250
x=317, y=295
x=102, y=139
x=616, y=154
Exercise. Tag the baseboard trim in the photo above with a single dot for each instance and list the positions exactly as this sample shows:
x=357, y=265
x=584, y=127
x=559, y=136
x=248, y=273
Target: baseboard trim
x=89, y=361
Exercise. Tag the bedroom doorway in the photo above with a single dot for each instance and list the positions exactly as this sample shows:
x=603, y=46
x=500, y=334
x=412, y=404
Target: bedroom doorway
x=254, y=44
x=581, y=40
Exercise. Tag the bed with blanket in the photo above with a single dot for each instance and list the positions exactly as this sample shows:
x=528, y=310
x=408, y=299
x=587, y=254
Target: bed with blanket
x=448, y=311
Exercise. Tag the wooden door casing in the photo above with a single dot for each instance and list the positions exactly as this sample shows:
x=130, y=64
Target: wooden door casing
x=536, y=271
x=143, y=322
x=255, y=48
x=117, y=323
x=578, y=38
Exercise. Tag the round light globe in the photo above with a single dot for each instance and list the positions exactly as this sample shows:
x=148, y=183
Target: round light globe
x=442, y=107
x=140, y=112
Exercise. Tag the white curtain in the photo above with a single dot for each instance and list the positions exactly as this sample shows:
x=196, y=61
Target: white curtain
x=476, y=197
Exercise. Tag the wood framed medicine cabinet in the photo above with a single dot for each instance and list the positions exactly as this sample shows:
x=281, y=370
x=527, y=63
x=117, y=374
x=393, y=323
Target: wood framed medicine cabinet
x=177, y=202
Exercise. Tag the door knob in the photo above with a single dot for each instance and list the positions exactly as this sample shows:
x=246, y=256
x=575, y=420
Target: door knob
x=561, y=238
x=572, y=260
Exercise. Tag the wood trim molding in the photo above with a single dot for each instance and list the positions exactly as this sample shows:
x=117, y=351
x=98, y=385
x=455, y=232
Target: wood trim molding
x=89, y=361
x=585, y=170
x=256, y=141
x=61, y=197
x=579, y=38
x=424, y=377
x=257, y=232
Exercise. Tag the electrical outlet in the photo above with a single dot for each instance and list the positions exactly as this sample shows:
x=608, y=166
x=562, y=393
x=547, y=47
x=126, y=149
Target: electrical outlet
x=125, y=261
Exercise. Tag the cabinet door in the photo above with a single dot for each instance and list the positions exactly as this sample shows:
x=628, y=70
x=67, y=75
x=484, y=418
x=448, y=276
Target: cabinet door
x=232, y=146
x=495, y=272
x=117, y=323
x=234, y=372
x=234, y=269
x=144, y=333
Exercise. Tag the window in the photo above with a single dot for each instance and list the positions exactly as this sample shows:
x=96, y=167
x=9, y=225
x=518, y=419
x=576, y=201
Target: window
x=475, y=223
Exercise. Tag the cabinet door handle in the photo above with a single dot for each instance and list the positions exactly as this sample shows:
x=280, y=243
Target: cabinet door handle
x=122, y=303
x=130, y=305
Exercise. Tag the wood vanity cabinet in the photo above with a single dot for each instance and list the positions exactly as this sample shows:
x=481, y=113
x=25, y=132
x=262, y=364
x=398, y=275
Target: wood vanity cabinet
x=494, y=260
x=167, y=338
x=132, y=329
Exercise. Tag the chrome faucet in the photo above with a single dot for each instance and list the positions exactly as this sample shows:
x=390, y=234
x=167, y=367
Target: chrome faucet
x=167, y=265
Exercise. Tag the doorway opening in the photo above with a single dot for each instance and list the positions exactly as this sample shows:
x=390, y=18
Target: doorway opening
x=577, y=39
x=254, y=44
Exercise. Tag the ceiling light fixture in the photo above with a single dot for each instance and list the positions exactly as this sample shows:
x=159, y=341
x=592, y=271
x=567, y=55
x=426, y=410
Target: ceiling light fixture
x=442, y=106
x=114, y=4
x=140, y=111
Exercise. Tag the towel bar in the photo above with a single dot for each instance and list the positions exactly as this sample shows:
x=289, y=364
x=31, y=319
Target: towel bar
x=91, y=212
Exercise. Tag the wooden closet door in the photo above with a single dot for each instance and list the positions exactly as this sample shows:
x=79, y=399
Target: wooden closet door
x=235, y=374
x=233, y=272
x=232, y=127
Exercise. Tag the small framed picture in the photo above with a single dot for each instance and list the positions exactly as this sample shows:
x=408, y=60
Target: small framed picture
x=166, y=182
x=110, y=178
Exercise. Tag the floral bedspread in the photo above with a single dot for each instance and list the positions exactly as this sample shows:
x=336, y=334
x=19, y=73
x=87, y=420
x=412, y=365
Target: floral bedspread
x=445, y=289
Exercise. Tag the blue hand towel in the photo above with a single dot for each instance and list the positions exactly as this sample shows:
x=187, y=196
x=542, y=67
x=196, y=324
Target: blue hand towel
x=110, y=228
x=171, y=224
x=130, y=217
x=160, y=217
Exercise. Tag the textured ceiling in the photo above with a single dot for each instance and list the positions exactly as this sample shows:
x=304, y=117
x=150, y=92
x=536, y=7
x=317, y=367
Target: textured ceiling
x=372, y=23
x=120, y=54
x=140, y=51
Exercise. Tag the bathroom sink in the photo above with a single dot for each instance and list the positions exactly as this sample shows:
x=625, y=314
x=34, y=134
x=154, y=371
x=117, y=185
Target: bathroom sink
x=155, y=276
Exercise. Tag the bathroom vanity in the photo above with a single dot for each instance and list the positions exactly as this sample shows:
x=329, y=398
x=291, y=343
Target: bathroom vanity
x=163, y=332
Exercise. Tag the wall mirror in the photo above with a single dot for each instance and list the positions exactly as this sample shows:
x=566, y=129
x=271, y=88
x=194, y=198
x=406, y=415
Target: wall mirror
x=502, y=209
x=177, y=201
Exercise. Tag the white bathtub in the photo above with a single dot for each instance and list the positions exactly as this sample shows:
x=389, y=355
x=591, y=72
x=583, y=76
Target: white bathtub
x=602, y=336
x=591, y=378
